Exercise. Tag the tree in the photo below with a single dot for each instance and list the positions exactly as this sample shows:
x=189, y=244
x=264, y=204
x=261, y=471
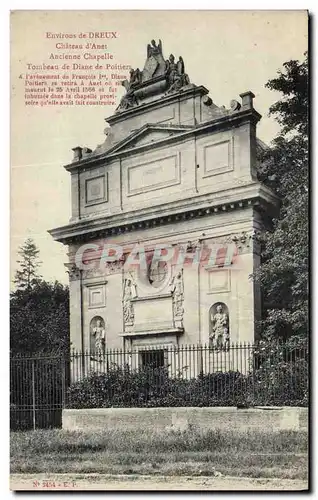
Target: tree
x=283, y=274
x=39, y=318
x=27, y=276
x=39, y=310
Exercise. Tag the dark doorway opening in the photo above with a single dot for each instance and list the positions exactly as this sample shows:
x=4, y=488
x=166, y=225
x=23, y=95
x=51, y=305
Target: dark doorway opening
x=153, y=359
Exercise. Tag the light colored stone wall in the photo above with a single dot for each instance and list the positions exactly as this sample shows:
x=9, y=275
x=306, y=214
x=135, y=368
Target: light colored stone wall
x=111, y=204
x=111, y=311
x=165, y=114
x=165, y=419
x=215, y=162
x=174, y=168
x=167, y=171
x=75, y=315
x=202, y=287
x=245, y=299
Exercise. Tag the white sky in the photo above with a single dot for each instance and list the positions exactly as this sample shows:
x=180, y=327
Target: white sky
x=227, y=52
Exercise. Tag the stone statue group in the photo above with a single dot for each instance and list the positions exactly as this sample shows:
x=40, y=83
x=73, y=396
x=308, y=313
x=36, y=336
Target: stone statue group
x=174, y=72
x=155, y=66
x=220, y=334
x=176, y=76
x=98, y=332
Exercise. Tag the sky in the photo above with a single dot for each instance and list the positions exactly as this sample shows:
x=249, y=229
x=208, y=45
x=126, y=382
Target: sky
x=228, y=52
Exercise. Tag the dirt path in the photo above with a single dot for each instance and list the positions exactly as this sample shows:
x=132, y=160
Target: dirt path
x=78, y=482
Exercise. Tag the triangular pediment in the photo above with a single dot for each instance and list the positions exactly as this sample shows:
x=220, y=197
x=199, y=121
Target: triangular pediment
x=148, y=134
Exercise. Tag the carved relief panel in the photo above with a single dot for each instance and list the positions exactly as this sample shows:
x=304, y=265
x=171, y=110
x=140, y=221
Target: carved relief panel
x=129, y=293
x=177, y=292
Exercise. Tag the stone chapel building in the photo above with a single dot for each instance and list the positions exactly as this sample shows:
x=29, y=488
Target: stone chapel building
x=174, y=170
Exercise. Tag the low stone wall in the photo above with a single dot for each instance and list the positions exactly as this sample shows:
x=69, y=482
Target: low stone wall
x=164, y=419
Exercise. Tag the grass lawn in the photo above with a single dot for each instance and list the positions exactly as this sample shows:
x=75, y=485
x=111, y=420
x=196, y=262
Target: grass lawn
x=246, y=454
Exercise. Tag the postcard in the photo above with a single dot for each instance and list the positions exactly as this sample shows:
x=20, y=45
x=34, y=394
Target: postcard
x=159, y=250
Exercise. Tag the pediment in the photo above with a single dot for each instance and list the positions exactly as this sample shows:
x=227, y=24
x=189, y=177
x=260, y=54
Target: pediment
x=148, y=134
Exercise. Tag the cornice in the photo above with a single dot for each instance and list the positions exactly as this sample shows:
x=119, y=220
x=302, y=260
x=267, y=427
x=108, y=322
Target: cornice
x=157, y=103
x=253, y=195
x=221, y=123
x=148, y=332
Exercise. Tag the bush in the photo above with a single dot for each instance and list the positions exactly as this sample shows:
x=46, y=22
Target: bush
x=278, y=376
x=153, y=387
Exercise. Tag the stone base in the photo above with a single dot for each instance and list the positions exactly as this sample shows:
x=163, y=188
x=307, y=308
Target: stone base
x=269, y=419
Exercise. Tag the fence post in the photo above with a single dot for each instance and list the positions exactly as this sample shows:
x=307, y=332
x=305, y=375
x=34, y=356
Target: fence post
x=33, y=394
x=63, y=381
x=199, y=371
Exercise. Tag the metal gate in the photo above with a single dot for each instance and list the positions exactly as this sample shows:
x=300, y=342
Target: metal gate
x=37, y=391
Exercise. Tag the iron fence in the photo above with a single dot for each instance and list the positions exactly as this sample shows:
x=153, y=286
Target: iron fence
x=37, y=390
x=186, y=375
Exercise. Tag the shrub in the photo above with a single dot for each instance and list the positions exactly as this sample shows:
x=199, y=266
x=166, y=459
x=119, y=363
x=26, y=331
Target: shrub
x=153, y=387
x=278, y=376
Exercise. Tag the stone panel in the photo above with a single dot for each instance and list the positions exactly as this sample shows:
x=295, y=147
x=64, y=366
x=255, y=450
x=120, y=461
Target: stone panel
x=157, y=174
x=97, y=296
x=219, y=280
x=153, y=313
x=96, y=190
x=218, y=158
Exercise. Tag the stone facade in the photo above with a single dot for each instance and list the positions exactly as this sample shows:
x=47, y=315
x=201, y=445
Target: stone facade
x=176, y=170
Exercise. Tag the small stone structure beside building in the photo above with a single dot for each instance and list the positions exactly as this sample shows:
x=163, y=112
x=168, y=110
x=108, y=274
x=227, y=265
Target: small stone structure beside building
x=175, y=171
